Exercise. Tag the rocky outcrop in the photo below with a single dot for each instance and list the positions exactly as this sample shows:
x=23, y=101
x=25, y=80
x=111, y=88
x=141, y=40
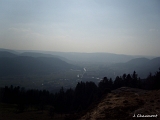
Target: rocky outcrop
x=126, y=104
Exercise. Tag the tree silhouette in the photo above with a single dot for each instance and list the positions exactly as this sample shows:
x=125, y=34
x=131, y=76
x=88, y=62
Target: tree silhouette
x=74, y=100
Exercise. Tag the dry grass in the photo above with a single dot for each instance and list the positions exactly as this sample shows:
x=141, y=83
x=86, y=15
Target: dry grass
x=120, y=104
x=123, y=103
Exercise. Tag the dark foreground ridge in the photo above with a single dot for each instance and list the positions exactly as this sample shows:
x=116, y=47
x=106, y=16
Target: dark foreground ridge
x=126, y=104
x=122, y=104
x=123, y=98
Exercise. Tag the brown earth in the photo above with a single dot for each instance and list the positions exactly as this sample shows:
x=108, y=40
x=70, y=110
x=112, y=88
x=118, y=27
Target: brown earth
x=120, y=104
x=124, y=103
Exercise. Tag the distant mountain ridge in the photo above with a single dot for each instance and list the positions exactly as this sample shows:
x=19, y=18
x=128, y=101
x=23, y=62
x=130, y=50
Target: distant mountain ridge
x=11, y=64
x=7, y=54
x=48, y=60
x=142, y=66
x=36, y=54
x=8, y=50
x=94, y=57
x=73, y=57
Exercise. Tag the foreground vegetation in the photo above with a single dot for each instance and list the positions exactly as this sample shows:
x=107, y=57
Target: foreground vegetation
x=70, y=101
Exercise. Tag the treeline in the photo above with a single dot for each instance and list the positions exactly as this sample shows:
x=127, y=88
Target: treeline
x=78, y=99
x=152, y=82
x=71, y=100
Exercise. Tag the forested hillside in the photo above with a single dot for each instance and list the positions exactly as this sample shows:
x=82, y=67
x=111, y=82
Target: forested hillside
x=12, y=65
x=142, y=66
x=77, y=100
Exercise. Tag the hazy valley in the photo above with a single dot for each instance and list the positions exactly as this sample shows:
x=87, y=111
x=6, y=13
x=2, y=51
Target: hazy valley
x=81, y=86
x=52, y=70
x=79, y=59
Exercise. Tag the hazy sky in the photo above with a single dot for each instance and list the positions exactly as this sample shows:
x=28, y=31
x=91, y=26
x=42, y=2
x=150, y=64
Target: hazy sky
x=114, y=26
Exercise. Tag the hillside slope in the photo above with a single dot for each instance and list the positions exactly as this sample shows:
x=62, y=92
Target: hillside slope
x=124, y=103
x=30, y=66
x=7, y=54
x=94, y=57
x=142, y=66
